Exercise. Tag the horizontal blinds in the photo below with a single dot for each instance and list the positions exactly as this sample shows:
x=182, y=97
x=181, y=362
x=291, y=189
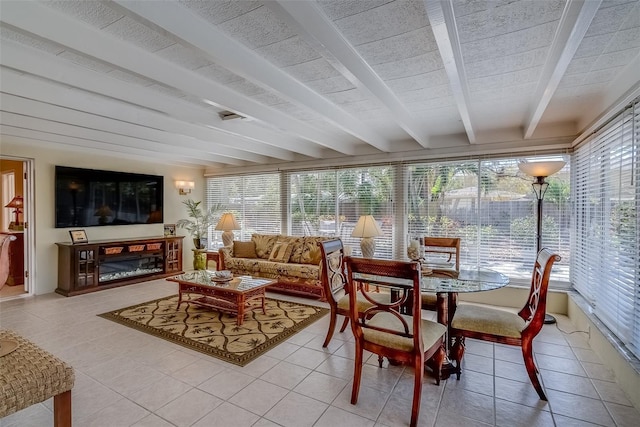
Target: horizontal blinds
x=253, y=199
x=490, y=205
x=605, y=266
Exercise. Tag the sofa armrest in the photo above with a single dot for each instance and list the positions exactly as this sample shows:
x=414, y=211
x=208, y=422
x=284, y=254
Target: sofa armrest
x=224, y=255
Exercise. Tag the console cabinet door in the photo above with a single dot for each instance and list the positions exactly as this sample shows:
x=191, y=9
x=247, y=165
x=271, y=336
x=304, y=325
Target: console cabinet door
x=86, y=267
x=173, y=256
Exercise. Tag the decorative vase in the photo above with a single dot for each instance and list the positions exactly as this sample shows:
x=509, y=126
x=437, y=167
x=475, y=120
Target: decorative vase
x=199, y=260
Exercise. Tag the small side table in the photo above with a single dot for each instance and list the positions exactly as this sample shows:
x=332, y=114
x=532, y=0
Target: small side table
x=212, y=255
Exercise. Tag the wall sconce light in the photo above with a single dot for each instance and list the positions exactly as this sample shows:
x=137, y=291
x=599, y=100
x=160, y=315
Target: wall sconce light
x=185, y=187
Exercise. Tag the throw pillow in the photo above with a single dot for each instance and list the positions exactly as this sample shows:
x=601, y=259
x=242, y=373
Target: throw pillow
x=244, y=249
x=264, y=244
x=311, y=251
x=281, y=252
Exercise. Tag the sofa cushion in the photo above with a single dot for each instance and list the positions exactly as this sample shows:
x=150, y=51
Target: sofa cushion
x=264, y=244
x=297, y=244
x=281, y=252
x=311, y=251
x=244, y=249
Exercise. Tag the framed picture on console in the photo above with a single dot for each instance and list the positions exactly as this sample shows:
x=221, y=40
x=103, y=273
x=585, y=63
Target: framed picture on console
x=169, y=230
x=78, y=236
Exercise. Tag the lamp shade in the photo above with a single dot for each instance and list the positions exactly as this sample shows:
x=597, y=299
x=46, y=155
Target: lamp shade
x=17, y=203
x=227, y=223
x=367, y=227
x=541, y=168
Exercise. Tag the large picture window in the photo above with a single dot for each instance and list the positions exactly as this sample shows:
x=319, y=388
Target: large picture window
x=606, y=254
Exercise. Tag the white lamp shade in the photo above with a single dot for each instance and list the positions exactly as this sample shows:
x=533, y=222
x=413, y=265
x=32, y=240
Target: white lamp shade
x=541, y=168
x=367, y=227
x=227, y=223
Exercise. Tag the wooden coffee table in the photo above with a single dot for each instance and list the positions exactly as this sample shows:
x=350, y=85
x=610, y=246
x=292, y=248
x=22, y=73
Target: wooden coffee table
x=235, y=296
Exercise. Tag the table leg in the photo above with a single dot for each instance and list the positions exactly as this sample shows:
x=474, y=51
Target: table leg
x=179, y=296
x=240, y=304
x=446, y=307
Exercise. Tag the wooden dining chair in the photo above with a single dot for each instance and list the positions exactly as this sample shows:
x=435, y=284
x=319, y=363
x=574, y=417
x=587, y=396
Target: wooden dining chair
x=504, y=327
x=334, y=282
x=382, y=330
x=442, y=255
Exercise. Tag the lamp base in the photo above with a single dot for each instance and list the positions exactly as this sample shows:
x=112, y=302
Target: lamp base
x=368, y=247
x=227, y=238
x=549, y=319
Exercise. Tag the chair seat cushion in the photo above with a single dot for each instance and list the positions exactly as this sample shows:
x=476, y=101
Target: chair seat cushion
x=431, y=332
x=428, y=298
x=487, y=320
x=363, y=304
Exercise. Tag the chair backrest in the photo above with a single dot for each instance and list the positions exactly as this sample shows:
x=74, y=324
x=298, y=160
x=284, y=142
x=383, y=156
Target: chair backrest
x=332, y=272
x=5, y=240
x=403, y=281
x=535, y=309
x=446, y=246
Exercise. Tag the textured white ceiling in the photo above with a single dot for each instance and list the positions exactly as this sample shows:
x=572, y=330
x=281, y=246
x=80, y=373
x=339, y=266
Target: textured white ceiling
x=316, y=79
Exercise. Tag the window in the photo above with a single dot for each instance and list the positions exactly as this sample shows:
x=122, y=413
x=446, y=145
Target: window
x=606, y=254
x=253, y=199
x=490, y=205
x=329, y=203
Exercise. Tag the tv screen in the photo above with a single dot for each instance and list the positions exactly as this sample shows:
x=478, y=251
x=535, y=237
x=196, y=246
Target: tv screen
x=89, y=197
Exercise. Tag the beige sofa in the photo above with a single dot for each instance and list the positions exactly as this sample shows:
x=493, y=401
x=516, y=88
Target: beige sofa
x=293, y=261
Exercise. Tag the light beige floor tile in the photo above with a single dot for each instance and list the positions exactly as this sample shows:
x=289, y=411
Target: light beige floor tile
x=296, y=410
x=562, y=421
x=89, y=396
x=509, y=414
x=286, y=375
x=559, y=364
x=369, y=405
x=623, y=415
x=188, y=408
x=513, y=371
x=198, y=372
x=384, y=378
x=479, y=348
x=598, y=371
x=446, y=419
x=476, y=363
x=511, y=354
x=397, y=410
x=263, y=422
x=226, y=383
x=122, y=413
x=321, y=386
x=282, y=350
x=472, y=381
x=334, y=417
x=34, y=416
x=307, y=357
x=257, y=367
x=301, y=338
x=468, y=404
x=227, y=415
x=568, y=383
x=611, y=392
x=579, y=407
x=158, y=394
x=519, y=392
x=173, y=361
x=259, y=396
x=129, y=382
x=587, y=355
x=152, y=420
x=337, y=366
x=564, y=351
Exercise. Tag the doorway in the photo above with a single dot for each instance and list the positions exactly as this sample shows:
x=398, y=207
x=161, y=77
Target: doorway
x=15, y=211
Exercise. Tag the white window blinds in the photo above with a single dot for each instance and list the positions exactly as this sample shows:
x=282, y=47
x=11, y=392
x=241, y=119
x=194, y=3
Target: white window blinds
x=253, y=199
x=606, y=257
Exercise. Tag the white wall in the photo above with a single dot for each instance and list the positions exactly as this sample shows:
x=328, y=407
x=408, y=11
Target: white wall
x=44, y=278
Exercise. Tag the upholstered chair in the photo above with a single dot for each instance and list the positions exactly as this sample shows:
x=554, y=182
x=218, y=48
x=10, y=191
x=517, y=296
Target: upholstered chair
x=505, y=327
x=382, y=330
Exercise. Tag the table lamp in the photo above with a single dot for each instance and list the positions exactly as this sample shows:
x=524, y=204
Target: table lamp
x=367, y=228
x=16, y=203
x=227, y=223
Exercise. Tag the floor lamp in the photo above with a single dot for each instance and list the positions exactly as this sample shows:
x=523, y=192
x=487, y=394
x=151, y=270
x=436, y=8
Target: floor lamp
x=541, y=170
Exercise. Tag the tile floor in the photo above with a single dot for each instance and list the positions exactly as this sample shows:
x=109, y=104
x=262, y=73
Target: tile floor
x=127, y=378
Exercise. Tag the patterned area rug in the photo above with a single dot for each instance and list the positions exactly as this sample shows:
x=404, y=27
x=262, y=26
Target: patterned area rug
x=215, y=333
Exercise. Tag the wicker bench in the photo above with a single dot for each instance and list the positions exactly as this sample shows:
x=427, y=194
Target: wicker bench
x=30, y=375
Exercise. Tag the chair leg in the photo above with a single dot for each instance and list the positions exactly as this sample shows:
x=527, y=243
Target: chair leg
x=417, y=390
x=527, y=353
x=438, y=360
x=344, y=324
x=62, y=409
x=357, y=373
x=457, y=353
x=332, y=326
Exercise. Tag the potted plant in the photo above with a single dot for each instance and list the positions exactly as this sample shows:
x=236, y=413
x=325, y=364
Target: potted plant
x=199, y=221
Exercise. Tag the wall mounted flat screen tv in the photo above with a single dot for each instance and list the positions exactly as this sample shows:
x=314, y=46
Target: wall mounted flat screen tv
x=89, y=197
